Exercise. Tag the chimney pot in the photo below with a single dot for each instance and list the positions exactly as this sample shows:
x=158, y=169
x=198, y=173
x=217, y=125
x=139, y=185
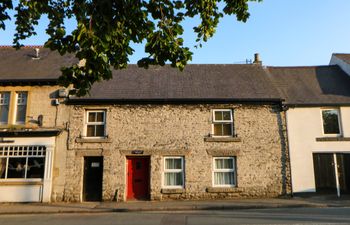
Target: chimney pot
x=257, y=59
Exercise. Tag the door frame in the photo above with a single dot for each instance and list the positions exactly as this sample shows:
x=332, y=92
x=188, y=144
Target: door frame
x=127, y=170
x=83, y=176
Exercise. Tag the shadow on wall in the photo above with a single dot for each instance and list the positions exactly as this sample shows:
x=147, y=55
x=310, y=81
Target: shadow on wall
x=333, y=81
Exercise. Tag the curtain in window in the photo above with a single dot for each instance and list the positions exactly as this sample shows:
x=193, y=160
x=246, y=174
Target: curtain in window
x=173, y=179
x=173, y=164
x=223, y=178
x=224, y=163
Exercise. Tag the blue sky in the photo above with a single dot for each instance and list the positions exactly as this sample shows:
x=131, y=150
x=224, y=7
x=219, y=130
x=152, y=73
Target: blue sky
x=284, y=32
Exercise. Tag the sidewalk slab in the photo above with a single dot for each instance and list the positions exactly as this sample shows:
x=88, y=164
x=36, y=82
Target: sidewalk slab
x=138, y=206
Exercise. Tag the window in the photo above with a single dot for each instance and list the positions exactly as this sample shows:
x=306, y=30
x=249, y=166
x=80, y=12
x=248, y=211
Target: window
x=21, y=107
x=224, y=172
x=331, y=123
x=95, y=123
x=22, y=162
x=13, y=107
x=4, y=107
x=173, y=172
x=222, y=122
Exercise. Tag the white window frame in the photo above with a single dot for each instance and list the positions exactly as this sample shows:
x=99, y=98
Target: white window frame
x=214, y=121
x=339, y=123
x=87, y=111
x=214, y=170
x=182, y=170
x=16, y=107
x=8, y=104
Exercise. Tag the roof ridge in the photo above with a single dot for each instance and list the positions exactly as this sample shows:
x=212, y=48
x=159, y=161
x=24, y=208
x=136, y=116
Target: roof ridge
x=25, y=46
x=299, y=67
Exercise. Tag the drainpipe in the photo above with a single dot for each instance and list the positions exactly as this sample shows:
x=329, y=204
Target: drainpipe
x=285, y=109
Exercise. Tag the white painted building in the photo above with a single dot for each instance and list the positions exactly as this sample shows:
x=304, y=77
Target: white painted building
x=317, y=101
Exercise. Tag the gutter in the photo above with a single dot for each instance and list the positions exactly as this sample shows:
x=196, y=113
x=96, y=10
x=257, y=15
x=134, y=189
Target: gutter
x=262, y=101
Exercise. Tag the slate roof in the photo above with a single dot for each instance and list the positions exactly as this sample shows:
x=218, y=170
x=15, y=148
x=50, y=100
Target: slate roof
x=205, y=82
x=21, y=65
x=314, y=85
x=344, y=57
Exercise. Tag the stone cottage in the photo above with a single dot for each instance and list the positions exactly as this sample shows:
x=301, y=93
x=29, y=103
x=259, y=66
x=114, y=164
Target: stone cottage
x=211, y=131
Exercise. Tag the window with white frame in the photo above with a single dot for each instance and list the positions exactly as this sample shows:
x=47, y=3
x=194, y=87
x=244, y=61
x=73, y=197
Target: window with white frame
x=173, y=172
x=4, y=107
x=331, y=122
x=222, y=123
x=21, y=107
x=95, y=123
x=22, y=162
x=224, y=172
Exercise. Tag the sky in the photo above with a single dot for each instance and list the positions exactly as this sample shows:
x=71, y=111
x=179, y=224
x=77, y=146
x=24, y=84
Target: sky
x=283, y=32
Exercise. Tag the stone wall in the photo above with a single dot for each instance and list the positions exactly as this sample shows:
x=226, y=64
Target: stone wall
x=181, y=130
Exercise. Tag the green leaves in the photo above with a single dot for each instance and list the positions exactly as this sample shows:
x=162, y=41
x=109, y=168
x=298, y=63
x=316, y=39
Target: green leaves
x=105, y=29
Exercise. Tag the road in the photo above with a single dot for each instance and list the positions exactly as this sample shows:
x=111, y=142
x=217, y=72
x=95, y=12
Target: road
x=257, y=216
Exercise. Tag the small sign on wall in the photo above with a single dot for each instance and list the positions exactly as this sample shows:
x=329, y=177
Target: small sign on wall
x=137, y=152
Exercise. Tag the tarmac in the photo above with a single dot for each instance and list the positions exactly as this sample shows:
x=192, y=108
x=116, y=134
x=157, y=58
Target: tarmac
x=138, y=206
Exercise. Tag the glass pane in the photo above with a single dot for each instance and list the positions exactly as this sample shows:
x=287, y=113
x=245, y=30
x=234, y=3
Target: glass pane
x=16, y=168
x=100, y=117
x=223, y=178
x=227, y=129
x=36, y=167
x=21, y=98
x=92, y=117
x=4, y=114
x=218, y=129
x=226, y=115
x=224, y=163
x=90, y=131
x=21, y=114
x=100, y=130
x=218, y=115
x=2, y=167
x=330, y=122
x=173, y=164
x=173, y=179
x=4, y=107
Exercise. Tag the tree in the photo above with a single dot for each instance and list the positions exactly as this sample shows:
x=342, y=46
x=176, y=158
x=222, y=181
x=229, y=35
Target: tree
x=106, y=28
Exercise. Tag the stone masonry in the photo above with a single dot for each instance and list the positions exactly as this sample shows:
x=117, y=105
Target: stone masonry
x=180, y=130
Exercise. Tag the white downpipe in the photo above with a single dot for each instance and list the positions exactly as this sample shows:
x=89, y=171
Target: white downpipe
x=336, y=174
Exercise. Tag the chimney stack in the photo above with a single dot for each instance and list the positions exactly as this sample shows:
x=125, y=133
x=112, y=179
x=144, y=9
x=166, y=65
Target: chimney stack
x=257, y=59
x=37, y=53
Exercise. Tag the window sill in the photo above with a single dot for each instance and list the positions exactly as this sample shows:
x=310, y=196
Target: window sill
x=332, y=139
x=222, y=139
x=93, y=140
x=8, y=182
x=222, y=189
x=172, y=190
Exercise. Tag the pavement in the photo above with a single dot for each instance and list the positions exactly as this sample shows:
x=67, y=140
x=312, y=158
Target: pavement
x=135, y=206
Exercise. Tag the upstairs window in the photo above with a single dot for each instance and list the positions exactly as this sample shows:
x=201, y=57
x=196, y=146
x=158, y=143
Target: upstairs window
x=95, y=123
x=4, y=107
x=21, y=107
x=331, y=122
x=222, y=123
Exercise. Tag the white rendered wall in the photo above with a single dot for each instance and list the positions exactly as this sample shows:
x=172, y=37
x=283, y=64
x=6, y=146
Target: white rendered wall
x=342, y=64
x=304, y=126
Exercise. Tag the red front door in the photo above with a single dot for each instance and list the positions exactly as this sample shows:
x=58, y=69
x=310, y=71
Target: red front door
x=138, y=177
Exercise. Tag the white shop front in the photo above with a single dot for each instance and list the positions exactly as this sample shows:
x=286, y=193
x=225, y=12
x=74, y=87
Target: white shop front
x=26, y=169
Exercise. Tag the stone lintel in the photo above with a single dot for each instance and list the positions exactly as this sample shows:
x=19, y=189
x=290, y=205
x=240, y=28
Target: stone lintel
x=222, y=152
x=155, y=152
